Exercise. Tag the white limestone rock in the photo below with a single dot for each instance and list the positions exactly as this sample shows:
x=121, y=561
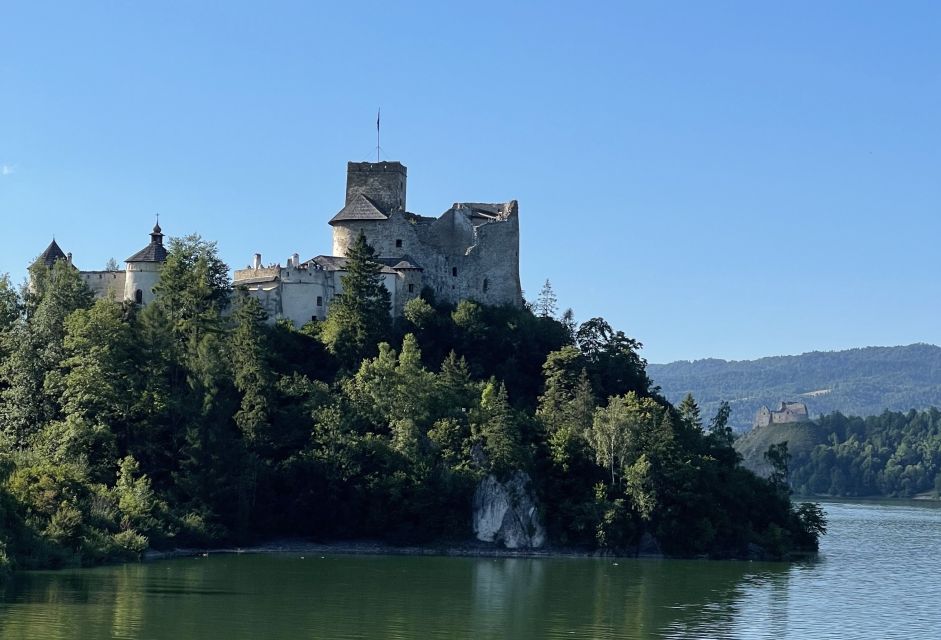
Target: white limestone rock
x=505, y=513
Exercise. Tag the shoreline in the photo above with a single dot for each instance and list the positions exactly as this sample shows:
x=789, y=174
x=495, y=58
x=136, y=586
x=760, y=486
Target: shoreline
x=373, y=548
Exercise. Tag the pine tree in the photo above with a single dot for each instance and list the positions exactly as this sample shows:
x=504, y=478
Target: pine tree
x=499, y=430
x=358, y=318
x=252, y=374
x=31, y=377
x=546, y=303
x=690, y=414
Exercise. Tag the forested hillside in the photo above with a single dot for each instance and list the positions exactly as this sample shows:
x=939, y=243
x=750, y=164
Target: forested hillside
x=892, y=454
x=193, y=421
x=860, y=382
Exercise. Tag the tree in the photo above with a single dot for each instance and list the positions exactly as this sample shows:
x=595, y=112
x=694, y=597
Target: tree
x=499, y=430
x=546, y=303
x=252, y=374
x=619, y=430
x=31, y=381
x=101, y=387
x=194, y=288
x=778, y=457
x=613, y=363
x=690, y=414
x=358, y=317
x=112, y=265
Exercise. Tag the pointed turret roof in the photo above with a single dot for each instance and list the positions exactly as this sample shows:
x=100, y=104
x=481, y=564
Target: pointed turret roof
x=52, y=253
x=155, y=251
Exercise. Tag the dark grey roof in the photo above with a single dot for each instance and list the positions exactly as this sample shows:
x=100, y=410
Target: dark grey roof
x=257, y=280
x=405, y=262
x=52, y=253
x=155, y=251
x=360, y=208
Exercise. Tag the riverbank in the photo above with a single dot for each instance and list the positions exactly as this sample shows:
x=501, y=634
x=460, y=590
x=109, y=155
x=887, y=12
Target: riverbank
x=468, y=549
x=306, y=548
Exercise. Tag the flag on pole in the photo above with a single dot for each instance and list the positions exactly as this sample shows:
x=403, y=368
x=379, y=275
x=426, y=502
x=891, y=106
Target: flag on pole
x=378, y=113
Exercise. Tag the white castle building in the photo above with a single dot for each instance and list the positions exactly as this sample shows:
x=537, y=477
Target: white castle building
x=136, y=282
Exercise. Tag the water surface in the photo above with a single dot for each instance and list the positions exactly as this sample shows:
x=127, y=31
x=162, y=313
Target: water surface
x=878, y=576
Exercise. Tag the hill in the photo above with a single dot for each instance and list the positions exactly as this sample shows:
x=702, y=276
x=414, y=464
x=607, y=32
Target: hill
x=858, y=382
x=801, y=438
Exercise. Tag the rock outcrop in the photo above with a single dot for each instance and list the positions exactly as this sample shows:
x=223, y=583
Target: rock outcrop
x=505, y=513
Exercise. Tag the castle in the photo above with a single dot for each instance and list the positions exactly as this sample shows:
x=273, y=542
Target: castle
x=471, y=251
x=137, y=281
x=787, y=413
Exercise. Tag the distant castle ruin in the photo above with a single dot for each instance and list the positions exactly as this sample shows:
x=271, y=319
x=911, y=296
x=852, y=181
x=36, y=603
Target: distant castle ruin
x=471, y=251
x=788, y=412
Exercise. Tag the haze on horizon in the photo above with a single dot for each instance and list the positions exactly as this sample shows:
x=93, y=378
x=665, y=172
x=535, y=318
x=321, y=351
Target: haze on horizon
x=725, y=180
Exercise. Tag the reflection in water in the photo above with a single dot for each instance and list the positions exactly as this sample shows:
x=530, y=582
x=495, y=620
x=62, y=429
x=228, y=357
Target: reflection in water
x=859, y=587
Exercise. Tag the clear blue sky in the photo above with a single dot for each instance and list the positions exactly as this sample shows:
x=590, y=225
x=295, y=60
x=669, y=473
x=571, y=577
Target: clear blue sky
x=725, y=179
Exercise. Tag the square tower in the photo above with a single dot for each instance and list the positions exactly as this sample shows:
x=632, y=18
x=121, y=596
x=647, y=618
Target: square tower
x=382, y=182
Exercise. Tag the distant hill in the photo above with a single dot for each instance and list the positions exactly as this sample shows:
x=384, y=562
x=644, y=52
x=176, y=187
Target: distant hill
x=859, y=382
x=801, y=438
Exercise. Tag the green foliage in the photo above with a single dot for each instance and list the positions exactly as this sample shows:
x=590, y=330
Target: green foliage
x=498, y=427
x=194, y=422
x=358, y=318
x=893, y=454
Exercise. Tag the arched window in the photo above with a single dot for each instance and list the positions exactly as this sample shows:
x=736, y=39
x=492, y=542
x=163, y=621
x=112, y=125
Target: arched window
x=139, y=297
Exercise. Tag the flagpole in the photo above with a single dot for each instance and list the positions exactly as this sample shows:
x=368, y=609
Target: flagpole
x=378, y=115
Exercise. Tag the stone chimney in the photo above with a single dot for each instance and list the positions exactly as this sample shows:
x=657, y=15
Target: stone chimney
x=256, y=263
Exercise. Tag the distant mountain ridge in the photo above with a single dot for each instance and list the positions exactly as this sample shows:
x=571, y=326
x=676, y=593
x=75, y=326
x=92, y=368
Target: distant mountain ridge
x=864, y=381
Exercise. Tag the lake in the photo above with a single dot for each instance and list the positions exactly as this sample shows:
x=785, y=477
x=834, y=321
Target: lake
x=878, y=576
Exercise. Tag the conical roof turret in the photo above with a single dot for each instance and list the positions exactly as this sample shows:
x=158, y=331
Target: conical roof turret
x=52, y=253
x=155, y=251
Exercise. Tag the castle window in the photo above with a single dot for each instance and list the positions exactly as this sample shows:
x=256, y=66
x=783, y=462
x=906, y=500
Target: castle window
x=398, y=244
x=411, y=288
x=486, y=284
x=139, y=297
x=319, y=301
x=454, y=271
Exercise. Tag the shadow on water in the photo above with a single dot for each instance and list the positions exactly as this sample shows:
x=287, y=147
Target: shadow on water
x=281, y=596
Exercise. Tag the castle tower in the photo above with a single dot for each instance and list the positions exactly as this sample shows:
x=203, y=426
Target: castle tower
x=52, y=253
x=143, y=269
x=374, y=191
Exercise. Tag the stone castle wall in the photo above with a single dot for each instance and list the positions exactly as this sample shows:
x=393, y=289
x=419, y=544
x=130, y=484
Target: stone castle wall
x=105, y=284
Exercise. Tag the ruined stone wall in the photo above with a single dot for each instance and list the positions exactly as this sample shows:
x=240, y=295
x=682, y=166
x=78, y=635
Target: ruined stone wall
x=461, y=257
x=463, y=260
